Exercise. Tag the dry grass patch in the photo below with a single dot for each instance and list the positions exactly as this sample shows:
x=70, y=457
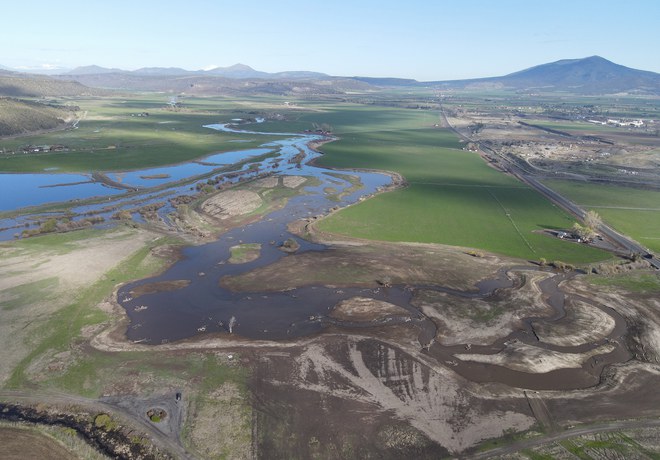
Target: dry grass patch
x=365, y=309
x=221, y=424
x=232, y=203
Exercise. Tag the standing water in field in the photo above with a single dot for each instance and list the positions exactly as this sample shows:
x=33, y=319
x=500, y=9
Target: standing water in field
x=107, y=193
x=188, y=298
x=204, y=306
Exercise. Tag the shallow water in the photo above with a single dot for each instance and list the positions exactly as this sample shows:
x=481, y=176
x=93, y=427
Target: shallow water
x=22, y=190
x=205, y=307
x=26, y=190
x=177, y=172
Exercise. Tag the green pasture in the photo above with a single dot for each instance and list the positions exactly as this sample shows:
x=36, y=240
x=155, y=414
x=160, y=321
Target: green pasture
x=453, y=197
x=66, y=325
x=344, y=118
x=582, y=127
x=634, y=281
x=111, y=136
x=245, y=252
x=634, y=212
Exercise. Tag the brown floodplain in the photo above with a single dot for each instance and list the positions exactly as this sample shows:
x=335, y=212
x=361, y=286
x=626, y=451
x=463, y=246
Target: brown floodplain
x=21, y=443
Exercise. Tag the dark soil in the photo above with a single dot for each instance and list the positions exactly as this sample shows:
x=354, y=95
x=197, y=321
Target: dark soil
x=115, y=442
x=20, y=444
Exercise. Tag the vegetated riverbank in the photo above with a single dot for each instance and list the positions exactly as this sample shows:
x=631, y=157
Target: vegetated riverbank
x=385, y=383
x=110, y=139
x=100, y=430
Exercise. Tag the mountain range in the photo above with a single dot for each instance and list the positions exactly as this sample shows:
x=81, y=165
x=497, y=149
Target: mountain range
x=591, y=75
x=237, y=71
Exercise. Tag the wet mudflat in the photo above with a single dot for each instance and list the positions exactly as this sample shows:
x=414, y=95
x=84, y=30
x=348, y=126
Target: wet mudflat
x=203, y=305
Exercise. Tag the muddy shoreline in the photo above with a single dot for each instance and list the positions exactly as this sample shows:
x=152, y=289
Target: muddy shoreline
x=258, y=325
x=589, y=374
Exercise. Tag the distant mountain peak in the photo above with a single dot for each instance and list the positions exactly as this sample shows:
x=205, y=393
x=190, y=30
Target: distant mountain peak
x=239, y=66
x=589, y=75
x=156, y=71
x=91, y=70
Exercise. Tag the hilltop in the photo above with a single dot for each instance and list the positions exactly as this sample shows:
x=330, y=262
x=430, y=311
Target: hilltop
x=591, y=75
x=19, y=116
x=13, y=84
x=156, y=79
x=236, y=71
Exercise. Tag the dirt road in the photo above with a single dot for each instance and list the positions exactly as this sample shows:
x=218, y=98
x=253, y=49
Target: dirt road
x=571, y=433
x=160, y=440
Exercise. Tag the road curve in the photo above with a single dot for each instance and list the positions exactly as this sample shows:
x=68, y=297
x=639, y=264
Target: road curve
x=159, y=439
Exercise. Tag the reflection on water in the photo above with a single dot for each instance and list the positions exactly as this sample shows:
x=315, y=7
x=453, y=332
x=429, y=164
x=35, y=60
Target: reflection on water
x=22, y=190
x=141, y=177
x=203, y=306
x=26, y=190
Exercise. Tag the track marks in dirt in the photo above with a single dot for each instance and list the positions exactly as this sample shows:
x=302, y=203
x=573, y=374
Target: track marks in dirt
x=432, y=401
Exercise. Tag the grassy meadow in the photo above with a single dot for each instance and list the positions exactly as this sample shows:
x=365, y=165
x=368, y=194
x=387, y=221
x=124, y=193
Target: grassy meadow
x=111, y=136
x=453, y=197
x=632, y=211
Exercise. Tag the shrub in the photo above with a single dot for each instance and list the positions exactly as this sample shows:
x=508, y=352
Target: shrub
x=105, y=422
x=49, y=226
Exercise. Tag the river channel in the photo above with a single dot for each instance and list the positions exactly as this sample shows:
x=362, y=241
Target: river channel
x=205, y=307
x=202, y=306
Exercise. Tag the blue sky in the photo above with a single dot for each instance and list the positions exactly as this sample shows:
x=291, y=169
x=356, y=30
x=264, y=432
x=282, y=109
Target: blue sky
x=426, y=40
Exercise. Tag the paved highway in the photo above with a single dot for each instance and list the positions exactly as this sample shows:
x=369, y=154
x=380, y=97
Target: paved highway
x=627, y=245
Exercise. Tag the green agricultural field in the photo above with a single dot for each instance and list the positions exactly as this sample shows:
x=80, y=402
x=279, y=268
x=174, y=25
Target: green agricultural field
x=634, y=281
x=577, y=126
x=111, y=136
x=453, y=196
x=344, y=118
x=632, y=211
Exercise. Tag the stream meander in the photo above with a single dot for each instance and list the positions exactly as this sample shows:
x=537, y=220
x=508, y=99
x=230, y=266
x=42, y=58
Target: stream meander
x=204, y=306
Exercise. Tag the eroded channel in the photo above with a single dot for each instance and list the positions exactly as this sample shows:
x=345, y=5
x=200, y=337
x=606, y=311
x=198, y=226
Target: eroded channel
x=201, y=305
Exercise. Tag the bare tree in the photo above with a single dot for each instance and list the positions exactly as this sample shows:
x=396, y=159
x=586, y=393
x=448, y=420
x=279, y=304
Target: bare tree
x=592, y=220
x=326, y=127
x=591, y=223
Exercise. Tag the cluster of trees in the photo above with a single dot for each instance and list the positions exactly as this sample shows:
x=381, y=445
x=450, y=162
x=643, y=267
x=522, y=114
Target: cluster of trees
x=65, y=225
x=323, y=127
x=591, y=223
